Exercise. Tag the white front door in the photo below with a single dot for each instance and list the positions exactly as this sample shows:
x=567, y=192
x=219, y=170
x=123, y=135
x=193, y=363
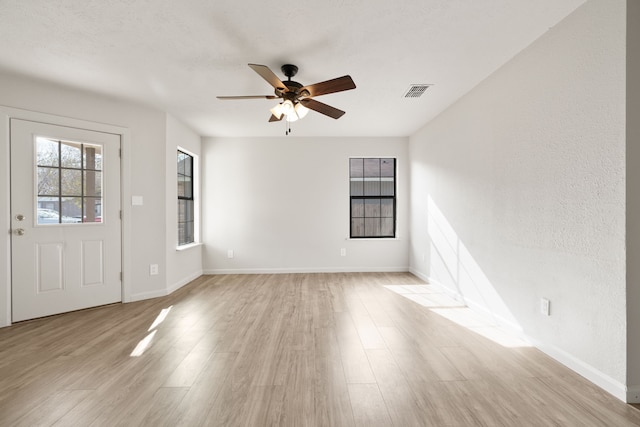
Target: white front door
x=65, y=219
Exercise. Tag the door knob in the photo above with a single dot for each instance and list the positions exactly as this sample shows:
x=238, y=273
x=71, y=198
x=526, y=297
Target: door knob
x=20, y=217
x=20, y=231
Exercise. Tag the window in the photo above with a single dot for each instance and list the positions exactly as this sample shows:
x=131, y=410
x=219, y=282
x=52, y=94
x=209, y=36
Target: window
x=186, y=205
x=373, y=197
x=69, y=182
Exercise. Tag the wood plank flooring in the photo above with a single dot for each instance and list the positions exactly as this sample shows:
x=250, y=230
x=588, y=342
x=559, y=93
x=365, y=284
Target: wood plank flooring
x=343, y=349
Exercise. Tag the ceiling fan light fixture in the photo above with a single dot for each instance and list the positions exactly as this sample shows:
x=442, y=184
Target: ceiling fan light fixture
x=291, y=117
x=289, y=110
x=277, y=111
x=301, y=110
x=287, y=107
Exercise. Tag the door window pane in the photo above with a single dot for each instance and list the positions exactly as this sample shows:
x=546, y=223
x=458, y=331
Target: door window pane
x=93, y=157
x=47, y=153
x=48, y=181
x=70, y=155
x=92, y=209
x=69, y=182
x=92, y=183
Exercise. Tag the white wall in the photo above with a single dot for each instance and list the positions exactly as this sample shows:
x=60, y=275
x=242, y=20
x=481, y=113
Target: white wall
x=518, y=193
x=147, y=129
x=282, y=205
x=184, y=265
x=633, y=201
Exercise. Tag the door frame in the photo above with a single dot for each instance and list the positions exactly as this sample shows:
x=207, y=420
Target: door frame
x=8, y=113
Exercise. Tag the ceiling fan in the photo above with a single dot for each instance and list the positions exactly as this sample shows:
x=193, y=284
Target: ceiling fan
x=297, y=99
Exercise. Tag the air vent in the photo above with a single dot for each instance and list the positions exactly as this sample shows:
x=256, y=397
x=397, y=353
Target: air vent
x=416, y=91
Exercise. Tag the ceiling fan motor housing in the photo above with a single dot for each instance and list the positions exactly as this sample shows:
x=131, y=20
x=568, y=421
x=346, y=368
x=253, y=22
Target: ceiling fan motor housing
x=291, y=89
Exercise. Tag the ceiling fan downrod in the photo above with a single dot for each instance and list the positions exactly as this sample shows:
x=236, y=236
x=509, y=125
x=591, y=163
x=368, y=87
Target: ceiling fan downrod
x=289, y=70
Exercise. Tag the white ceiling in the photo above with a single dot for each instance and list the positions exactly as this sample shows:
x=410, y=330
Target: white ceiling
x=178, y=55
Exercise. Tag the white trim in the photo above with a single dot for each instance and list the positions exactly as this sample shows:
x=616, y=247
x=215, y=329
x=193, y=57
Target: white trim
x=605, y=382
x=148, y=295
x=125, y=186
x=602, y=380
x=188, y=246
x=5, y=216
x=168, y=291
x=171, y=289
x=372, y=239
x=419, y=274
x=125, y=162
x=633, y=394
x=306, y=270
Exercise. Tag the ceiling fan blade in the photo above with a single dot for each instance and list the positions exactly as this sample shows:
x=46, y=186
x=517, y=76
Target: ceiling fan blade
x=249, y=97
x=269, y=76
x=275, y=119
x=330, y=86
x=321, y=108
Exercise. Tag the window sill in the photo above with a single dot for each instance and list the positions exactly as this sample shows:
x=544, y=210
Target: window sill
x=373, y=238
x=187, y=247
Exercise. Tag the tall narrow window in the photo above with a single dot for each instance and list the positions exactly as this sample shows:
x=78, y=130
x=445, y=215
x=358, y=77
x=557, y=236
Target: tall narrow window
x=186, y=211
x=373, y=197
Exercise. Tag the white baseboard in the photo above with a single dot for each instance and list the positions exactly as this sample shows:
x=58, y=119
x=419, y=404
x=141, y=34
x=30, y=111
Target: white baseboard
x=633, y=394
x=605, y=382
x=306, y=270
x=171, y=289
x=148, y=295
x=419, y=274
x=446, y=290
x=164, y=292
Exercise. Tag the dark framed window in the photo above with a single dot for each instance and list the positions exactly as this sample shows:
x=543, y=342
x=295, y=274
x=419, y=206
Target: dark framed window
x=186, y=211
x=373, y=197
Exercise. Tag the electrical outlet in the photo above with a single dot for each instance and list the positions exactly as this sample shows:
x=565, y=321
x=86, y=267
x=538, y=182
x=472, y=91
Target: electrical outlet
x=230, y=253
x=545, y=306
x=343, y=251
x=153, y=269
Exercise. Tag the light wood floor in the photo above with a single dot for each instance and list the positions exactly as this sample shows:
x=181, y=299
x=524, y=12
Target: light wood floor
x=288, y=350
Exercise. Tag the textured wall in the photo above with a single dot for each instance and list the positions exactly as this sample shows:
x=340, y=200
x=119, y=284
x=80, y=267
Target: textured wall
x=518, y=192
x=282, y=204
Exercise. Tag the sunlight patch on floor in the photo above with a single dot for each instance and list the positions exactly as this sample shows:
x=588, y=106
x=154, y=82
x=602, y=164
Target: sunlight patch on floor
x=431, y=297
x=163, y=315
x=143, y=345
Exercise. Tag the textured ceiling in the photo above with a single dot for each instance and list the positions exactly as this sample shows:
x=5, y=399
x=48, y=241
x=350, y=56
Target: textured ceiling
x=178, y=55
